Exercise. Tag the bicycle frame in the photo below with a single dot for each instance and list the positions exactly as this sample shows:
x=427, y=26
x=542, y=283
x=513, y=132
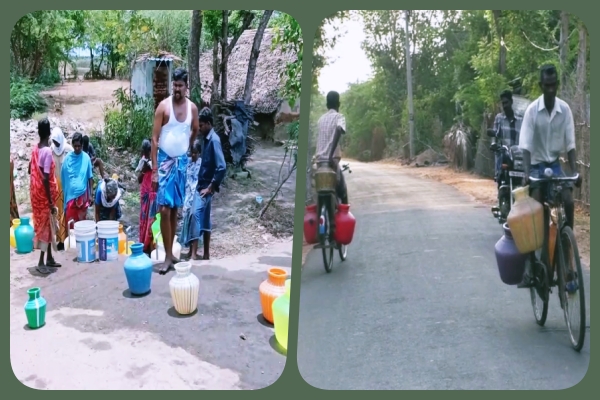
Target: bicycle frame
x=553, y=201
x=557, y=273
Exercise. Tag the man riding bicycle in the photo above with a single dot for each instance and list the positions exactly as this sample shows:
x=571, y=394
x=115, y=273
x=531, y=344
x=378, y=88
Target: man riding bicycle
x=547, y=131
x=331, y=127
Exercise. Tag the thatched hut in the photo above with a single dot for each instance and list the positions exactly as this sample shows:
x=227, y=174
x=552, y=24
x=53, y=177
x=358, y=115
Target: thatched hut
x=151, y=75
x=267, y=103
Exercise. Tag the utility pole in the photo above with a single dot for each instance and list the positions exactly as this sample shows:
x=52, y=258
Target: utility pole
x=411, y=115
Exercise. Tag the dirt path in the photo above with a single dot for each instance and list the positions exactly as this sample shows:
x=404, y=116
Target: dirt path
x=82, y=100
x=484, y=191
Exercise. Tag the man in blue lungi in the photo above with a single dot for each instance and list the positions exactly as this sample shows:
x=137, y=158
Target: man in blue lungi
x=173, y=135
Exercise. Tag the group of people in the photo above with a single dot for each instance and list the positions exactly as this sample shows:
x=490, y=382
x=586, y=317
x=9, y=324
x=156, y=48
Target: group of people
x=62, y=189
x=177, y=170
x=545, y=131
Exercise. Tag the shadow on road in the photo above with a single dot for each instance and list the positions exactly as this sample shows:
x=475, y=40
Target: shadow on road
x=276, y=346
x=172, y=313
x=128, y=295
x=261, y=320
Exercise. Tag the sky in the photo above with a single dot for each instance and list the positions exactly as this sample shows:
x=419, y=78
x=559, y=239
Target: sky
x=347, y=62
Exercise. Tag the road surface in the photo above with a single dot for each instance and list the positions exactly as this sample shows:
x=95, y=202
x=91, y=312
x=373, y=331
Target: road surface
x=97, y=337
x=419, y=305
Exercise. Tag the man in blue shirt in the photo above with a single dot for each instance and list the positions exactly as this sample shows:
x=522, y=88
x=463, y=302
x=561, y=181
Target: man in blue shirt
x=212, y=172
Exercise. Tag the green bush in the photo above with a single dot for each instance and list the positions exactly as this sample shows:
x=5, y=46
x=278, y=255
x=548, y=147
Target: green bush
x=129, y=120
x=25, y=98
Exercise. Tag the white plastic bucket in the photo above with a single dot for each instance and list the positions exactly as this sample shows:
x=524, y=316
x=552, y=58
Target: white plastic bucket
x=108, y=240
x=85, y=238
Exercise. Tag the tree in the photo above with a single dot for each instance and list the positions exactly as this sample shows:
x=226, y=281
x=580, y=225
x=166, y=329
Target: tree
x=255, y=52
x=194, y=57
x=42, y=39
x=246, y=17
x=288, y=37
x=219, y=26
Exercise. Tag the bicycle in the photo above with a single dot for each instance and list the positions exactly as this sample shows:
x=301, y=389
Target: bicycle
x=552, y=272
x=327, y=202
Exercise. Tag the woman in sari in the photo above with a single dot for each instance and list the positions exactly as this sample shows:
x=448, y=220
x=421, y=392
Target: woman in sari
x=148, y=208
x=43, y=193
x=193, y=169
x=60, y=149
x=14, y=208
x=107, y=199
x=77, y=182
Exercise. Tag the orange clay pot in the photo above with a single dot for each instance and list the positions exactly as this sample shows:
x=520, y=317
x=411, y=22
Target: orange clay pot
x=270, y=289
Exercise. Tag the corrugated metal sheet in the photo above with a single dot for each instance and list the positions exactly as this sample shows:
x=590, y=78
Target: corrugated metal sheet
x=138, y=79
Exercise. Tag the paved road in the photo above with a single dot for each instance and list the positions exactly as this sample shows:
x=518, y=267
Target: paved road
x=418, y=304
x=98, y=337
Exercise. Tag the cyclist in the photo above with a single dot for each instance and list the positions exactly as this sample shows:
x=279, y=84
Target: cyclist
x=331, y=126
x=547, y=131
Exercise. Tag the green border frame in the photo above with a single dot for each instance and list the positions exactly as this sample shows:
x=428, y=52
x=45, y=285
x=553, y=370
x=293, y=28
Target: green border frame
x=309, y=19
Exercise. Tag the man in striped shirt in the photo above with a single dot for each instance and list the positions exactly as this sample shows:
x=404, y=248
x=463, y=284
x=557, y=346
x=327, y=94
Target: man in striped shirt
x=507, y=126
x=331, y=127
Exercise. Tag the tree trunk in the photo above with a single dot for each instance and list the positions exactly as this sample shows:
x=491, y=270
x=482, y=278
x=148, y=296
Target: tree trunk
x=194, y=57
x=582, y=122
x=214, y=95
x=411, y=115
x=582, y=60
x=563, y=46
x=91, y=63
x=223, y=66
x=502, y=51
x=254, y=55
x=226, y=49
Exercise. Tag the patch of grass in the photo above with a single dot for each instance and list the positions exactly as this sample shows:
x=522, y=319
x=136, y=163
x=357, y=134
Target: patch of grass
x=128, y=120
x=25, y=97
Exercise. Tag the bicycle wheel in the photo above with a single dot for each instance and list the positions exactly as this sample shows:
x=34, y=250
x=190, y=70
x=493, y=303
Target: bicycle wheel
x=540, y=293
x=327, y=248
x=571, y=289
x=343, y=250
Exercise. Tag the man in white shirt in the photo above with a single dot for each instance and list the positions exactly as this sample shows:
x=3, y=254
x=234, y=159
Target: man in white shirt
x=547, y=131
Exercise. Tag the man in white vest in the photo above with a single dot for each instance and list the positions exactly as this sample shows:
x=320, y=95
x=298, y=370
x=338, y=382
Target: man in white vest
x=175, y=130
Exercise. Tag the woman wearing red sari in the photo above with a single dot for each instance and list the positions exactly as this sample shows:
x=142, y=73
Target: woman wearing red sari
x=148, y=208
x=43, y=194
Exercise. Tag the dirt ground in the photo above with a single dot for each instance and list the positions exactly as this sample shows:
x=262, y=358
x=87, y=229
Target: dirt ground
x=484, y=191
x=82, y=100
